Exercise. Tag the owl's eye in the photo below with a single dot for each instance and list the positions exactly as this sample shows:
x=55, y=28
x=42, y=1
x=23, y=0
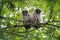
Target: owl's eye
x=26, y=11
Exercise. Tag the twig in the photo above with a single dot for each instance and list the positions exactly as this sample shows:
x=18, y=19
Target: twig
x=53, y=25
x=55, y=21
x=9, y=18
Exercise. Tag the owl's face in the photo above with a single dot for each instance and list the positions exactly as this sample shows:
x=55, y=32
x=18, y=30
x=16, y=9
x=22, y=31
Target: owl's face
x=24, y=12
x=38, y=11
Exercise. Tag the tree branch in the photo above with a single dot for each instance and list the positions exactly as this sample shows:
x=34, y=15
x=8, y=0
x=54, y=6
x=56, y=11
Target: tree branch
x=12, y=33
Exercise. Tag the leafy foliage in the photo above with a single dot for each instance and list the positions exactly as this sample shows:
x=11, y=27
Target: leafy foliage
x=10, y=10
